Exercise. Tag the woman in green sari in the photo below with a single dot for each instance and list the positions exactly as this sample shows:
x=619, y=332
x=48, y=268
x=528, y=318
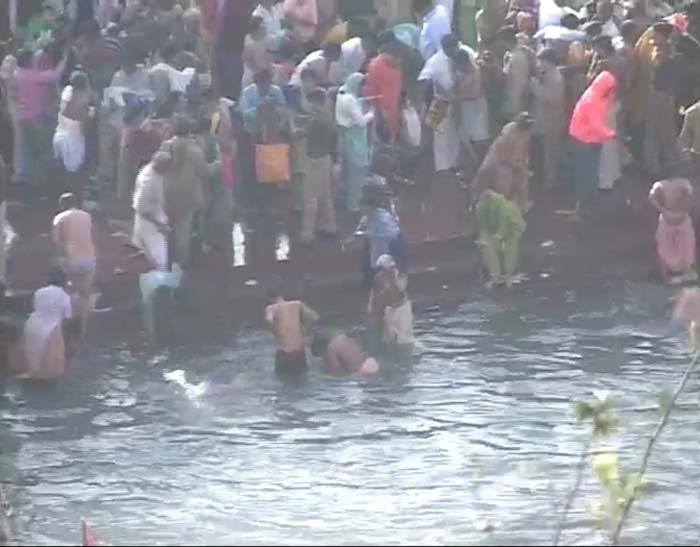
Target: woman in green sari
x=501, y=226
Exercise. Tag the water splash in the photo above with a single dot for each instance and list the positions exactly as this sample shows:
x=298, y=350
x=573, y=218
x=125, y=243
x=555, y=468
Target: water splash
x=282, y=248
x=239, y=246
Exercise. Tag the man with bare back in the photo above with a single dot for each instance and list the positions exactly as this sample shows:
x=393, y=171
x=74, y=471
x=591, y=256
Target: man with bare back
x=287, y=321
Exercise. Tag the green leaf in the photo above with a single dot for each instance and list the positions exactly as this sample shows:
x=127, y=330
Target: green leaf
x=631, y=484
x=584, y=411
x=664, y=401
x=605, y=467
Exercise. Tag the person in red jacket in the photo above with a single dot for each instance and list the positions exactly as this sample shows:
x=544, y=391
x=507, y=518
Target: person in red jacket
x=588, y=130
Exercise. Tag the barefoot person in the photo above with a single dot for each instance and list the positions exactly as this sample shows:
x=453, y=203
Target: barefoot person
x=343, y=355
x=150, y=220
x=72, y=233
x=501, y=226
x=43, y=351
x=287, y=321
x=687, y=311
x=675, y=235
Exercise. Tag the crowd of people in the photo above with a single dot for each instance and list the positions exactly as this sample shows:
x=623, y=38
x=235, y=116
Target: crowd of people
x=199, y=112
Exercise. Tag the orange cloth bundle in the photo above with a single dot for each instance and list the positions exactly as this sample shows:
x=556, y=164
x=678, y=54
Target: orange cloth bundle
x=272, y=163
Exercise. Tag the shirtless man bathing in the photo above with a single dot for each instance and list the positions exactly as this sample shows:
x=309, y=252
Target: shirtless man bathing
x=343, y=355
x=287, y=321
x=72, y=234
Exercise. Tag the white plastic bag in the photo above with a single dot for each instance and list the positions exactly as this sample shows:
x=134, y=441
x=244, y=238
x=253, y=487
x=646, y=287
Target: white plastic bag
x=411, y=126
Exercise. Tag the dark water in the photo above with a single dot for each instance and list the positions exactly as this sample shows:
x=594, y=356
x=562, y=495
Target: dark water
x=475, y=443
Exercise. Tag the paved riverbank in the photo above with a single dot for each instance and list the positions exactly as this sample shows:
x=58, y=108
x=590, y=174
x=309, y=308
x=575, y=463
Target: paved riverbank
x=227, y=287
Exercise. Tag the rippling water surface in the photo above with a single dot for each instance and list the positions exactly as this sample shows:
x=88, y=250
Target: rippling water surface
x=474, y=443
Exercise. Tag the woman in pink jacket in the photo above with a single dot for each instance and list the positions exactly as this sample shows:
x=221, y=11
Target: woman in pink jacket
x=588, y=130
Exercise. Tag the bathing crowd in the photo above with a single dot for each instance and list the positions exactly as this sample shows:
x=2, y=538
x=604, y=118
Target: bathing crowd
x=199, y=112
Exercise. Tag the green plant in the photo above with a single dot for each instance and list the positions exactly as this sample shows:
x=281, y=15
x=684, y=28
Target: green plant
x=603, y=420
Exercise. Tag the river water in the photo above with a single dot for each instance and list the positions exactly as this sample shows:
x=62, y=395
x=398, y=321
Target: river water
x=473, y=444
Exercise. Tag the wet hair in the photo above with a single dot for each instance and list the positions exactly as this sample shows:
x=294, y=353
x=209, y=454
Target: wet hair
x=56, y=277
x=549, y=55
x=319, y=344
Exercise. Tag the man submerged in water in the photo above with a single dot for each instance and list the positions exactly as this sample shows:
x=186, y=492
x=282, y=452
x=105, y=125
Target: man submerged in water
x=343, y=355
x=287, y=321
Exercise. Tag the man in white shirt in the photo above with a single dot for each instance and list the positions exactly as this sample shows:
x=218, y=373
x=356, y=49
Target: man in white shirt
x=320, y=62
x=439, y=71
x=354, y=53
x=436, y=25
x=272, y=14
x=449, y=6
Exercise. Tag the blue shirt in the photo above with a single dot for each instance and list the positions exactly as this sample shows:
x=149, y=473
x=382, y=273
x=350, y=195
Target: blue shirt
x=251, y=100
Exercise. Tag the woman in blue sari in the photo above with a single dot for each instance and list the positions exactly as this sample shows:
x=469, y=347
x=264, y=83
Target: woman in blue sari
x=353, y=141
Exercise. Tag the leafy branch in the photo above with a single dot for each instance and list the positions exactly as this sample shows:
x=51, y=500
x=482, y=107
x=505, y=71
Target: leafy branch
x=652, y=442
x=599, y=412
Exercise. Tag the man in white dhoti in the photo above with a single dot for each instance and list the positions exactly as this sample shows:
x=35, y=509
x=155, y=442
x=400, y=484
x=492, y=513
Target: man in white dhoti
x=44, y=350
x=69, y=137
x=439, y=71
x=150, y=221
